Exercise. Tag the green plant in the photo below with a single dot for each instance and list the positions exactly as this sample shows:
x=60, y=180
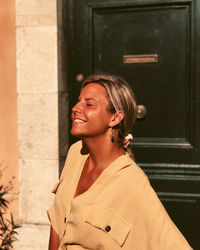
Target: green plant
x=7, y=225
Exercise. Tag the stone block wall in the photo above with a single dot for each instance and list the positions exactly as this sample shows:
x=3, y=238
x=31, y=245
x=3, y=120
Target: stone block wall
x=38, y=117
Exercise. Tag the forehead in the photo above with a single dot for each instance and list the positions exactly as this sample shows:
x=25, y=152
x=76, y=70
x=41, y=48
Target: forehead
x=94, y=90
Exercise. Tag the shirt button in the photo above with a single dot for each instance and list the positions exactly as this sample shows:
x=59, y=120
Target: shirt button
x=107, y=228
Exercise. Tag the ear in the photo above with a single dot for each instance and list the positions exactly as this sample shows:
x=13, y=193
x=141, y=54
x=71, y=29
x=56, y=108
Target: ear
x=117, y=118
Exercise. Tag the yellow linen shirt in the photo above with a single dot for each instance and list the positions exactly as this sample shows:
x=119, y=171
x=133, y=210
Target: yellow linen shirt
x=119, y=211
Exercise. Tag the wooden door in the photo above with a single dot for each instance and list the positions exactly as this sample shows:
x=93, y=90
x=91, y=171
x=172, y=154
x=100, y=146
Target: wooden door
x=155, y=46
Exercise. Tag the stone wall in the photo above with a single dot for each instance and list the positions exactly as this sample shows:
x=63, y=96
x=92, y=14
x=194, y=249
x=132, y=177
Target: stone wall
x=38, y=117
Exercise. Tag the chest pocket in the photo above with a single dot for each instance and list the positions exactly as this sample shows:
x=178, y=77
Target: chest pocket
x=112, y=224
x=54, y=190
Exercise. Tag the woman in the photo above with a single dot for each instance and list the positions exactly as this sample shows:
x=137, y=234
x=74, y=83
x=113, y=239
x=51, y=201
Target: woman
x=103, y=199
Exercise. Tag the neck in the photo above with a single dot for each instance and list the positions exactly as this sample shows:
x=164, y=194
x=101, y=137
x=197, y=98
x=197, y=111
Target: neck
x=102, y=151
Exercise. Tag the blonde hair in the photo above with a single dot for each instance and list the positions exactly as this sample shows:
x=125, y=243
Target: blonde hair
x=120, y=97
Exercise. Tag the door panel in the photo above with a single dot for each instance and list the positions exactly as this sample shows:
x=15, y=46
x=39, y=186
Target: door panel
x=154, y=45
x=143, y=32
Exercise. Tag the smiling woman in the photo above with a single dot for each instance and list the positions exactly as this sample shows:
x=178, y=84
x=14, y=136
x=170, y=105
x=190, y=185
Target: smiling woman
x=103, y=199
x=90, y=115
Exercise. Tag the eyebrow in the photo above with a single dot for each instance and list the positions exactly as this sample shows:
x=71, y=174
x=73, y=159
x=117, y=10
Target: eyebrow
x=90, y=98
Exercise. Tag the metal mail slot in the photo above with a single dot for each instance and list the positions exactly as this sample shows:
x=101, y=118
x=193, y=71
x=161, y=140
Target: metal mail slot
x=150, y=58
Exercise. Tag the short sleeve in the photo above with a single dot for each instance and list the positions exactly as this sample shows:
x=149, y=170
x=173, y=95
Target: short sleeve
x=51, y=211
x=52, y=218
x=63, y=189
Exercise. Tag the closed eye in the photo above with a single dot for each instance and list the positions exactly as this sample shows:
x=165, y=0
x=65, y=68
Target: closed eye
x=89, y=104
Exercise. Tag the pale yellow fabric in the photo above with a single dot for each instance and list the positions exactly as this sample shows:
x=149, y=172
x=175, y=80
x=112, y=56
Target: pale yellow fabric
x=120, y=198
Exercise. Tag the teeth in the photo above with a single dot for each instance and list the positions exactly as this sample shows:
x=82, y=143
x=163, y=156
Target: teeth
x=78, y=120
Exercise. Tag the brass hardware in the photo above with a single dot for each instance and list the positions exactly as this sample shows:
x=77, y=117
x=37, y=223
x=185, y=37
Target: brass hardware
x=141, y=111
x=150, y=58
x=79, y=77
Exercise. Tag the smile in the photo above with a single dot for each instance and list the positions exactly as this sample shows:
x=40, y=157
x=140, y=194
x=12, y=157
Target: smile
x=78, y=121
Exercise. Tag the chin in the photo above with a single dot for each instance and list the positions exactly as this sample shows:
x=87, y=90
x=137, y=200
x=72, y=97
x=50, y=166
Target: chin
x=76, y=133
x=80, y=134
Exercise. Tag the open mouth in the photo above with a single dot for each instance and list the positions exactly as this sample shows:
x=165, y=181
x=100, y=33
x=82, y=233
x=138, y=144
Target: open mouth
x=78, y=121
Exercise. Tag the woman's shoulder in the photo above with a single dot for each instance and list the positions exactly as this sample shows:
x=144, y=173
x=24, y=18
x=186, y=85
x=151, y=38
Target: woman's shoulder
x=74, y=151
x=133, y=181
x=73, y=156
x=76, y=147
x=132, y=170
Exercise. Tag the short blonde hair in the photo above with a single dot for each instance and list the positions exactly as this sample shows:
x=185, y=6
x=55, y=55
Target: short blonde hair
x=120, y=97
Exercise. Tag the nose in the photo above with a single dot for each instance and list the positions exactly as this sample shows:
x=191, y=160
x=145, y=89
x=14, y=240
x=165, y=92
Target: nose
x=77, y=108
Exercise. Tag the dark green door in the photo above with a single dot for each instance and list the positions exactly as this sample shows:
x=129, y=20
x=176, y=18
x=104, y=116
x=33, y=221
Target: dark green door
x=155, y=46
